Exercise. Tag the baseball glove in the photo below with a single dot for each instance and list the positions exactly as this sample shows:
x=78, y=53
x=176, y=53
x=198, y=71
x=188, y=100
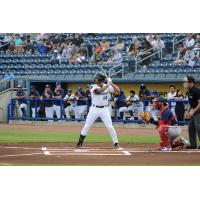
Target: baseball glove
x=146, y=116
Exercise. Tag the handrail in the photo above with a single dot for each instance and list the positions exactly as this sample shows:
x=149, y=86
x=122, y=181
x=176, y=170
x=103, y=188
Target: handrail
x=177, y=42
x=122, y=70
x=137, y=62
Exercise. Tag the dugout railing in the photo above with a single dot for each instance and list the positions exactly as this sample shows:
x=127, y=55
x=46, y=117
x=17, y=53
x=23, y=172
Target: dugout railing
x=14, y=112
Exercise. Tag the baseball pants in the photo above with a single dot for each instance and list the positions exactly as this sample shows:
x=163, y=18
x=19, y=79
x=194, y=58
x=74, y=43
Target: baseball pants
x=49, y=112
x=81, y=110
x=22, y=109
x=194, y=129
x=104, y=114
x=58, y=111
x=34, y=111
x=70, y=109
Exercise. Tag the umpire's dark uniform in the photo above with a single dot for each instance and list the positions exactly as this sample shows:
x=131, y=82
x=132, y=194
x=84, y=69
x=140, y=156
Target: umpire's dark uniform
x=194, y=124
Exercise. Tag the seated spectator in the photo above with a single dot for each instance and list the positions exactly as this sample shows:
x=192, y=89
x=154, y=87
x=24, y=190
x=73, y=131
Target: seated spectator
x=67, y=52
x=189, y=43
x=11, y=48
x=135, y=40
x=80, y=58
x=197, y=51
x=83, y=50
x=104, y=44
x=133, y=50
x=6, y=40
x=96, y=58
x=18, y=44
x=98, y=49
x=49, y=45
x=149, y=37
x=56, y=58
x=78, y=40
x=190, y=57
x=145, y=53
x=116, y=57
x=120, y=44
x=8, y=75
x=158, y=43
x=28, y=45
x=42, y=47
x=180, y=55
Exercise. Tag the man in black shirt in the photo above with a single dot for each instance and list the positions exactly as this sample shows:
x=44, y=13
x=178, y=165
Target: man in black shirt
x=34, y=94
x=47, y=94
x=20, y=95
x=193, y=111
x=58, y=94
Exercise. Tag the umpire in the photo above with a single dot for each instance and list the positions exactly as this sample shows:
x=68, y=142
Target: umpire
x=193, y=111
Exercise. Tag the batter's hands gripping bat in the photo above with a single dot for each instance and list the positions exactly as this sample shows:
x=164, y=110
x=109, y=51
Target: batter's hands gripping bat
x=109, y=80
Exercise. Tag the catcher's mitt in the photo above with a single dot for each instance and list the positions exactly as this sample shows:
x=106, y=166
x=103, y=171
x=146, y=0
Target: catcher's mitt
x=146, y=116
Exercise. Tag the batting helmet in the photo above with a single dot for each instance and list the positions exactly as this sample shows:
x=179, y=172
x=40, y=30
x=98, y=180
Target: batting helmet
x=100, y=76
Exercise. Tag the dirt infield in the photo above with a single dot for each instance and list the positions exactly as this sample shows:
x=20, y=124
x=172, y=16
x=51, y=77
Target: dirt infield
x=92, y=153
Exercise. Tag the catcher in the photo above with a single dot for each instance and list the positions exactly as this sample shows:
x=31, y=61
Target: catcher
x=169, y=131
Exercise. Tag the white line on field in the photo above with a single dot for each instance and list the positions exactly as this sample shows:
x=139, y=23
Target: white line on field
x=24, y=154
x=152, y=151
x=126, y=153
x=86, y=154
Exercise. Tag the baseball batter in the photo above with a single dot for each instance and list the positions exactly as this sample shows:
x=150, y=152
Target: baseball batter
x=99, y=108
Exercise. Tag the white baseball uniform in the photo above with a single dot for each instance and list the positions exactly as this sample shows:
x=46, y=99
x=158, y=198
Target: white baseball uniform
x=72, y=107
x=170, y=96
x=99, y=108
x=136, y=105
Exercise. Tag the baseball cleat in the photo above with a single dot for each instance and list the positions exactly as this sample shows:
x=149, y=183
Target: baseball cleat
x=184, y=141
x=116, y=145
x=78, y=146
x=165, y=149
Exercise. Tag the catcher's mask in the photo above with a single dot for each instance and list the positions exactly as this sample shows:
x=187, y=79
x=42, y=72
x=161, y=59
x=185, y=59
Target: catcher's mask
x=162, y=101
x=101, y=77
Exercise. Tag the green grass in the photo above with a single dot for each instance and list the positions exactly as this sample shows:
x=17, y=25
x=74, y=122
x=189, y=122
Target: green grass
x=13, y=136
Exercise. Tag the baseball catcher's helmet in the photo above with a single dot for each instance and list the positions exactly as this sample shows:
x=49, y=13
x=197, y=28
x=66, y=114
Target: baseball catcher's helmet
x=100, y=76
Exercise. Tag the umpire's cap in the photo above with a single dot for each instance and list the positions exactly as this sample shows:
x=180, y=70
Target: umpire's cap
x=100, y=76
x=189, y=79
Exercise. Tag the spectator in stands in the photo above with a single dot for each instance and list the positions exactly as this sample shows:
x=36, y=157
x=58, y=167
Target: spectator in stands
x=180, y=107
x=42, y=47
x=98, y=48
x=190, y=57
x=197, y=51
x=96, y=58
x=18, y=44
x=83, y=50
x=120, y=44
x=116, y=57
x=80, y=58
x=6, y=41
x=145, y=53
x=34, y=104
x=158, y=43
x=56, y=58
x=28, y=45
x=104, y=44
x=8, y=75
x=189, y=43
x=58, y=94
x=21, y=103
x=180, y=55
x=135, y=40
x=49, y=109
x=171, y=96
x=150, y=37
x=49, y=45
x=133, y=50
x=67, y=52
x=78, y=40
